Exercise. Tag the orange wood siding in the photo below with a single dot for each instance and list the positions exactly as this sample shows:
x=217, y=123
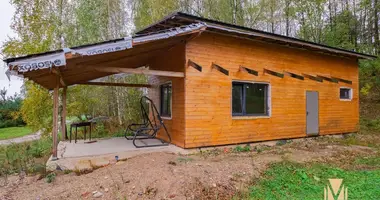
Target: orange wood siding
x=208, y=93
x=172, y=60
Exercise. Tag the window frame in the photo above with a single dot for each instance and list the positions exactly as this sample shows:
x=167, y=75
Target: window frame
x=244, y=115
x=164, y=85
x=350, y=94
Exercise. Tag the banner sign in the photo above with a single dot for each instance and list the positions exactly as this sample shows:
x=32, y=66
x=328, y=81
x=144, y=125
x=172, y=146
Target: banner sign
x=40, y=62
x=105, y=48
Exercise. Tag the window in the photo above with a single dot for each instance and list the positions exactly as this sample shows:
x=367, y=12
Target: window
x=250, y=99
x=166, y=100
x=345, y=93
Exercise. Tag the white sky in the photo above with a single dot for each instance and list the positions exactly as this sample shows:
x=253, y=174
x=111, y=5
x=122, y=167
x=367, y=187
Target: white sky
x=6, y=14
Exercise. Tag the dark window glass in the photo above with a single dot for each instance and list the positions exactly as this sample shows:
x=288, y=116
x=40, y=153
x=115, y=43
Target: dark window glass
x=345, y=93
x=166, y=100
x=250, y=99
x=237, y=98
x=255, y=101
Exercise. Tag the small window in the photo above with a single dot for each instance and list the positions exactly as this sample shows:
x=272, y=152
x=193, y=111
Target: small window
x=250, y=99
x=166, y=100
x=345, y=93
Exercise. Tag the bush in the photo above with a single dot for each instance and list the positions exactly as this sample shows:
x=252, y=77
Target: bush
x=8, y=123
x=246, y=148
x=50, y=177
x=10, y=112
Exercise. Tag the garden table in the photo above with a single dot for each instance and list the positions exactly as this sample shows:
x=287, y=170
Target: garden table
x=80, y=124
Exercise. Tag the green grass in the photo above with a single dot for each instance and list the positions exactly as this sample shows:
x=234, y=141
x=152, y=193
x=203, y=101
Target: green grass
x=30, y=157
x=287, y=180
x=370, y=161
x=14, y=132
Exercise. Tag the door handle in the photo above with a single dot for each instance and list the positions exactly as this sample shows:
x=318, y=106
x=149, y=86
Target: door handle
x=307, y=113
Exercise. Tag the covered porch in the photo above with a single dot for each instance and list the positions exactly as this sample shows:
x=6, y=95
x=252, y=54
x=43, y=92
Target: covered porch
x=160, y=56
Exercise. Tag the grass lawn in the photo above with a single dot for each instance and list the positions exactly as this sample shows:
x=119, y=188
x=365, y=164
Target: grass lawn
x=13, y=132
x=28, y=156
x=287, y=180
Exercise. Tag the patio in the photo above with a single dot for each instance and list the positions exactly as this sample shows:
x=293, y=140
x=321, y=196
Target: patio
x=85, y=157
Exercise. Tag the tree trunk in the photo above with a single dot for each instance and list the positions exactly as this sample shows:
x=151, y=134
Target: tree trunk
x=376, y=27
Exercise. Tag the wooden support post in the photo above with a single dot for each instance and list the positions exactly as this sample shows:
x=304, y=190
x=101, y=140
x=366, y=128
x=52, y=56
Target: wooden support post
x=63, y=122
x=55, y=119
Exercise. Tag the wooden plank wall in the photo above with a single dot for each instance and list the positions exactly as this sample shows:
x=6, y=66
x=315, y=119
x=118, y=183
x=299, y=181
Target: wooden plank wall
x=171, y=60
x=208, y=93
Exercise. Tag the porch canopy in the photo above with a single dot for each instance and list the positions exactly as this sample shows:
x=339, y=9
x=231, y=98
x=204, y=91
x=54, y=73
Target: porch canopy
x=80, y=65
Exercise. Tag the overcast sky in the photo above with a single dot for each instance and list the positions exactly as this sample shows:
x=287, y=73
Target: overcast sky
x=6, y=14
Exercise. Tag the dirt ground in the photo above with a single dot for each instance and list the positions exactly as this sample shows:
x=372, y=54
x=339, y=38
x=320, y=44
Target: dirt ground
x=214, y=174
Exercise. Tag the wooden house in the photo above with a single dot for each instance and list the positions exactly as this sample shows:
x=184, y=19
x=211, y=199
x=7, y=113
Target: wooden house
x=217, y=83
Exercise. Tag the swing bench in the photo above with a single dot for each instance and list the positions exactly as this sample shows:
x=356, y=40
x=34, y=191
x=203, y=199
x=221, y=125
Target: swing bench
x=149, y=128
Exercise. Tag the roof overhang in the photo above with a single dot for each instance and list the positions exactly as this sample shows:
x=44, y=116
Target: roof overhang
x=84, y=63
x=180, y=19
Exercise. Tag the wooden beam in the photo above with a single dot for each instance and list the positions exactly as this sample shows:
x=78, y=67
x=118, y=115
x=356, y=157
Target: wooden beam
x=221, y=69
x=328, y=79
x=140, y=71
x=293, y=75
x=195, y=65
x=63, y=114
x=343, y=80
x=116, y=84
x=314, y=78
x=267, y=71
x=249, y=71
x=58, y=73
x=55, y=119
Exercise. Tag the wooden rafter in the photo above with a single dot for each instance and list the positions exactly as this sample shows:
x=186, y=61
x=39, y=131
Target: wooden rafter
x=221, y=69
x=293, y=75
x=116, y=84
x=140, y=71
x=314, y=78
x=328, y=79
x=250, y=71
x=195, y=65
x=343, y=80
x=278, y=74
x=58, y=73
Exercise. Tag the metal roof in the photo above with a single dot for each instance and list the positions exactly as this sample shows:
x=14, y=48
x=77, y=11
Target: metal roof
x=180, y=18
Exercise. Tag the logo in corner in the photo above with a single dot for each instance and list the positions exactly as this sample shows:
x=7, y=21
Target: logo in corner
x=335, y=190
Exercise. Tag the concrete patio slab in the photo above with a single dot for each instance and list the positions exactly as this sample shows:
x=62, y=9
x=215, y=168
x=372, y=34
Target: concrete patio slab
x=107, y=146
x=83, y=156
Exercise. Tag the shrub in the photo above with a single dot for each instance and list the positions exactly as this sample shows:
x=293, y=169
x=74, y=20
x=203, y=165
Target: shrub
x=246, y=148
x=50, y=177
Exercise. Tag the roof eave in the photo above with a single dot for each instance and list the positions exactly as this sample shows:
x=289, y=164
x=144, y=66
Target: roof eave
x=279, y=37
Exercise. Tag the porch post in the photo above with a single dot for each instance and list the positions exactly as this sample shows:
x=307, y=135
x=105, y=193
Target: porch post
x=63, y=122
x=55, y=119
